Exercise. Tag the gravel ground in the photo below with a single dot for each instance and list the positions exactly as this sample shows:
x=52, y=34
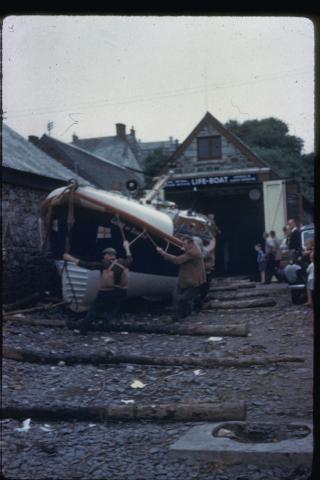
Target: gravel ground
x=140, y=450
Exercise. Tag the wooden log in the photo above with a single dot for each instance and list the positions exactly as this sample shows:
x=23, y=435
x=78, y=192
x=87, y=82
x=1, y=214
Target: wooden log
x=240, y=330
x=242, y=304
x=244, y=285
x=109, y=357
x=195, y=330
x=222, y=289
x=238, y=296
x=33, y=309
x=199, y=411
x=30, y=299
x=228, y=287
x=35, y=322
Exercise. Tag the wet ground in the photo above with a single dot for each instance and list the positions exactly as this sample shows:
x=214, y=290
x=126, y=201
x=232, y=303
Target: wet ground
x=139, y=450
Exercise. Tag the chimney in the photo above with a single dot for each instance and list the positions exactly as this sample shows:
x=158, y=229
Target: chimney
x=75, y=138
x=33, y=139
x=121, y=130
x=133, y=132
x=170, y=140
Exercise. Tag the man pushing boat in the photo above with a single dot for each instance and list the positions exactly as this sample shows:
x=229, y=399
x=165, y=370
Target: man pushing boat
x=191, y=276
x=113, y=285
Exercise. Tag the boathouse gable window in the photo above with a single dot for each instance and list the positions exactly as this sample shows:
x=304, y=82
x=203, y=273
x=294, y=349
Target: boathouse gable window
x=209, y=147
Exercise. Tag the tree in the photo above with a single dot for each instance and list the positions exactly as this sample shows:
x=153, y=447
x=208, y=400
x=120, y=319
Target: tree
x=154, y=162
x=268, y=133
x=270, y=140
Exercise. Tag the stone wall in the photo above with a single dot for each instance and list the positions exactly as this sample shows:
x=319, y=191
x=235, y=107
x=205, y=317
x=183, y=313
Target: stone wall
x=24, y=271
x=231, y=157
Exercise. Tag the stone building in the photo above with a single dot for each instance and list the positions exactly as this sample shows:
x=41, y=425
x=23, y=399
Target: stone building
x=216, y=173
x=125, y=150
x=107, y=162
x=28, y=175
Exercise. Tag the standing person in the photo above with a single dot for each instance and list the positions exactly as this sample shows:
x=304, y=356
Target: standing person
x=285, y=239
x=265, y=236
x=209, y=259
x=191, y=276
x=273, y=256
x=261, y=261
x=277, y=255
x=270, y=261
x=113, y=285
x=208, y=252
x=294, y=242
x=310, y=280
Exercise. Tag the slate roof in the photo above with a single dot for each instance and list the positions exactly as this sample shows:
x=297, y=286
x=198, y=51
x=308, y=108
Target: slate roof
x=21, y=155
x=98, y=170
x=114, y=149
x=166, y=146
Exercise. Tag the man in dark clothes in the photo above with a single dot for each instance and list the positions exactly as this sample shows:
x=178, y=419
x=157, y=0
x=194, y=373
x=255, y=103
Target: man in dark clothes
x=191, y=276
x=294, y=242
x=113, y=285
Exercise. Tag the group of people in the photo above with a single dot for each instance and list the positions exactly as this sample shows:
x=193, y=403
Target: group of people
x=196, y=265
x=301, y=265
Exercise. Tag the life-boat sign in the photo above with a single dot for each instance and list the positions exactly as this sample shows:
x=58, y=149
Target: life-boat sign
x=209, y=181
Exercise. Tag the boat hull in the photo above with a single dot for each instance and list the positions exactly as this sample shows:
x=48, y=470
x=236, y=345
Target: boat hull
x=80, y=286
x=96, y=220
x=84, y=221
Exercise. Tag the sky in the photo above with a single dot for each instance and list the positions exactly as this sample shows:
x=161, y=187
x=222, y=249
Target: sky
x=158, y=74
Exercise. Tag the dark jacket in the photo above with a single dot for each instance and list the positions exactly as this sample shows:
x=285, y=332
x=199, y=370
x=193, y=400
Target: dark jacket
x=295, y=240
x=192, y=272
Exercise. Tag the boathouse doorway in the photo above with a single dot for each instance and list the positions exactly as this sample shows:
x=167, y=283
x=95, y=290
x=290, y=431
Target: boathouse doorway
x=240, y=217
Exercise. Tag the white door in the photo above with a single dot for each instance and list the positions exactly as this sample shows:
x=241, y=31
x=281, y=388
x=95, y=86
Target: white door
x=275, y=206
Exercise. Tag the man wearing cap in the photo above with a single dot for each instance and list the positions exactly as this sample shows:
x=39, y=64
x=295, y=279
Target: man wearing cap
x=113, y=284
x=191, y=276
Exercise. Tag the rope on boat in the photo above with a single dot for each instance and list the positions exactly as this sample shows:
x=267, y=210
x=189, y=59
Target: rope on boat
x=71, y=188
x=121, y=228
x=65, y=267
x=70, y=218
x=136, y=238
x=151, y=239
x=144, y=231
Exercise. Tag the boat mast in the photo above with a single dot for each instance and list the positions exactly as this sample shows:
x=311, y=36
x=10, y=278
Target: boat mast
x=157, y=187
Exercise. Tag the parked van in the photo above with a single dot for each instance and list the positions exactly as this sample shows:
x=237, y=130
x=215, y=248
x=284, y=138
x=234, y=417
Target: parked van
x=299, y=289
